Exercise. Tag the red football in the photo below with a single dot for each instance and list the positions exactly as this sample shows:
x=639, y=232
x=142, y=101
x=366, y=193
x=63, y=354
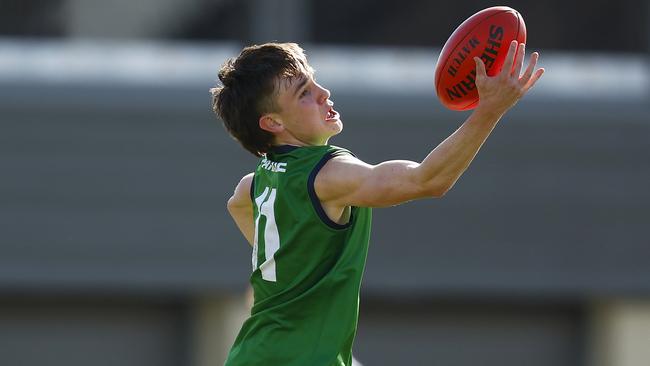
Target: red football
x=486, y=34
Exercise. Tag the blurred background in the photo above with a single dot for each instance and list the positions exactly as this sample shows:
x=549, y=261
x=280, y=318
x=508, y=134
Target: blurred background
x=116, y=248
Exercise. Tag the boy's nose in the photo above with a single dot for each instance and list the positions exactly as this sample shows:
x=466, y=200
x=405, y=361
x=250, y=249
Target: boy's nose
x=325, y=94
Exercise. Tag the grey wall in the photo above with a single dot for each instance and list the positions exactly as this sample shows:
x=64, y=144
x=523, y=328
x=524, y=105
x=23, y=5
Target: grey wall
x=113, y=220
x=106, y=332
x=555, y=203
x=469, y=332
x=113, y=187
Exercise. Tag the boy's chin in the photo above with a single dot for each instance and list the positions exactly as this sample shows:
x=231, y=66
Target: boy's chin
x=338, y=129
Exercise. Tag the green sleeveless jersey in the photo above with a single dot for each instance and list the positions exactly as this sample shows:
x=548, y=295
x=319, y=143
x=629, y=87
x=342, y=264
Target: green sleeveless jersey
x=307, y=269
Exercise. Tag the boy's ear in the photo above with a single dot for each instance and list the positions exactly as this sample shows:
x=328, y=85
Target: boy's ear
x=269, y=122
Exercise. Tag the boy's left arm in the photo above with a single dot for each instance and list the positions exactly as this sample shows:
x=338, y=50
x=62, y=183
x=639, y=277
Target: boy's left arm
x=240, y=208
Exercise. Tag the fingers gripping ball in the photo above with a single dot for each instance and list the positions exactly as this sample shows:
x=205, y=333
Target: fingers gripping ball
x=486, y=34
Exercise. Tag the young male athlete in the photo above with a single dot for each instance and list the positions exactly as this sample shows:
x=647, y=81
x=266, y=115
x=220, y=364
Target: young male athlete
x=306, y=209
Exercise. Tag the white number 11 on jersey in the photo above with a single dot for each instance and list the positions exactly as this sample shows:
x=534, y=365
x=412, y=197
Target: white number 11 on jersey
x=265, y=204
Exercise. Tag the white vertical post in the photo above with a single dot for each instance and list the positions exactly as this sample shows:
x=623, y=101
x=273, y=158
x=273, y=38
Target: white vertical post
x=215, y=323
x=620, y=332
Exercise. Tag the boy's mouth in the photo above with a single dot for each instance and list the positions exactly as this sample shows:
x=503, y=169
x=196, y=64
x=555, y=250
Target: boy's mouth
x=332, y=114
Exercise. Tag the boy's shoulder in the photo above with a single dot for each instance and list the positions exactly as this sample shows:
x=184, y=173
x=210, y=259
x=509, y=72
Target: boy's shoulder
x=242, y=194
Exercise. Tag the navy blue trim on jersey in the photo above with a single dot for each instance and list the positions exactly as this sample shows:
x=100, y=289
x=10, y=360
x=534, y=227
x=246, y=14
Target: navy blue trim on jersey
x=283, y=149
x=314, y=199
x=253, y=189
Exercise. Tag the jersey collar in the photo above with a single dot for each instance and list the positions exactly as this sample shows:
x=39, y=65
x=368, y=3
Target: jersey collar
x=283, y=149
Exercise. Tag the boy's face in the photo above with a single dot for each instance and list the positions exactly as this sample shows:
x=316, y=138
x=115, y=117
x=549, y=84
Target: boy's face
x=306, y=115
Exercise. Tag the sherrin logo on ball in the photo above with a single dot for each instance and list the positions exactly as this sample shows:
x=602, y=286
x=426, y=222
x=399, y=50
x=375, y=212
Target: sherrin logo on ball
x=486, y=34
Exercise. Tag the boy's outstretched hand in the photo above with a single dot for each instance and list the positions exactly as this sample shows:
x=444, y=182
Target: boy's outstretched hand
x=499, y=93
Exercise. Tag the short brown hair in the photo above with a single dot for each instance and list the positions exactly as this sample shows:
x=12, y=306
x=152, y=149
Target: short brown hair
x=249, y=87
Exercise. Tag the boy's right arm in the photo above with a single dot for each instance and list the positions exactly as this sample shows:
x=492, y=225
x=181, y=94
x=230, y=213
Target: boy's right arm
x=240, y=207
x=348, y=181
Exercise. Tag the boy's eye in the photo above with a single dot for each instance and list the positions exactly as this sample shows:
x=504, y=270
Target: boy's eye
x=304, y=93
